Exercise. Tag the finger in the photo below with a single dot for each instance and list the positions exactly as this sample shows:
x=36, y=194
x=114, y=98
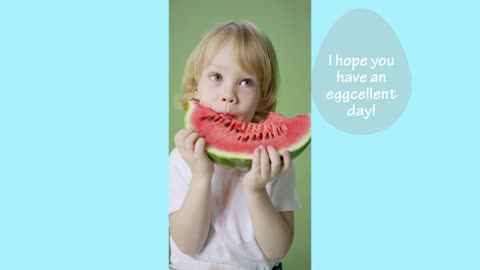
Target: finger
x=275, y=163
x=287, y=161
x=180, y=141
x=256, y=160
x=200, y=145
x=190, y=141
x=264, y=163
x=180, y=136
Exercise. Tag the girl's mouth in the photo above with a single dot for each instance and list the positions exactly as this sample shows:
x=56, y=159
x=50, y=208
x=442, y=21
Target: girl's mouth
x=227, y=116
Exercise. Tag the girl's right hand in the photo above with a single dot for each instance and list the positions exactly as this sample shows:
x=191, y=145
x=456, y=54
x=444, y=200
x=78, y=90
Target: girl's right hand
x=191, y=146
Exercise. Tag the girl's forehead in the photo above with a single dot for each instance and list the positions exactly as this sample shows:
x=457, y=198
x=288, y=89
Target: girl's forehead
x=247, y=58
x=214, y=46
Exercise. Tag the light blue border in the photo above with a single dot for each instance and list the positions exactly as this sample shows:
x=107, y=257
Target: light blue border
x=83, y=107
x=406, y=197
x=83, y=147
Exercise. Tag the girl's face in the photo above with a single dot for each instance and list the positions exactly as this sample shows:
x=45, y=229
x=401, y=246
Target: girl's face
x=228, y=89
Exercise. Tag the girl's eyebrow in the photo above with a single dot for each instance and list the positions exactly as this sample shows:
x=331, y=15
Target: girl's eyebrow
x=218, y=67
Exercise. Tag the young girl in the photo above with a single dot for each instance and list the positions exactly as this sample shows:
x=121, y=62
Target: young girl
x=224, y=218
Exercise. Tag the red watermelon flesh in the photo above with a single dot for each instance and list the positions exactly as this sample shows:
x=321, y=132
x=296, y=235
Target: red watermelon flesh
x=231, y=143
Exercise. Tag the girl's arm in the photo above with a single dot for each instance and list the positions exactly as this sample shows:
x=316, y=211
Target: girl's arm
x=273, y=230
x=189, y=225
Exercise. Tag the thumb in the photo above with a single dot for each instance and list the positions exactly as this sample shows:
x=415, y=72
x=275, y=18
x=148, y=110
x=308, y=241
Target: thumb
x=200, y=145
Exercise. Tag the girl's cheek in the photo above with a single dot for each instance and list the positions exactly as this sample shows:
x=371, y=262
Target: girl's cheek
x=214, y=84
x=251, y=92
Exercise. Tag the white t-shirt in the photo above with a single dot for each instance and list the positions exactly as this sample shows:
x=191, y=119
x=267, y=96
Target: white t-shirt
x=231, y=240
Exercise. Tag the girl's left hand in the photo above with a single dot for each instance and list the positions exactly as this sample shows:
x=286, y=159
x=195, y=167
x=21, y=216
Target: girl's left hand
x=266, y=166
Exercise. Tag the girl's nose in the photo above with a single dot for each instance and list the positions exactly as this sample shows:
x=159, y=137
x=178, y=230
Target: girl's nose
x=229, y=99
x=228, y=95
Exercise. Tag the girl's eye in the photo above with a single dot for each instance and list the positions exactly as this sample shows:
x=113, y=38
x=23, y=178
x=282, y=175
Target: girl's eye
x=246, y=82
x=215, y=77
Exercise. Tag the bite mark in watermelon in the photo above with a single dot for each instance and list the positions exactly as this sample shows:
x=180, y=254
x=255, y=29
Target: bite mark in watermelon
x=231, y=143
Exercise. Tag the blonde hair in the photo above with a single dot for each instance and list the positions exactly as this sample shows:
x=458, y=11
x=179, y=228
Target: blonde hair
x=254, y=51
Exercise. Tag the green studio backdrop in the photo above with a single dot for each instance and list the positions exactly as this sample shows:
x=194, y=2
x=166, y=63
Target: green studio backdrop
x=287, y=23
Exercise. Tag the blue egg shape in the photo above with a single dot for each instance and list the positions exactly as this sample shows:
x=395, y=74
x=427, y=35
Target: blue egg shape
x=361, y=78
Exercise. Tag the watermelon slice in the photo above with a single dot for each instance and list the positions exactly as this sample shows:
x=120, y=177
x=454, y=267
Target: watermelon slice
x=231, y=143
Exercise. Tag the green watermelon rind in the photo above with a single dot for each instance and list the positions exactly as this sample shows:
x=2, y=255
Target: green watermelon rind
x=238, y=161
x=245, y=163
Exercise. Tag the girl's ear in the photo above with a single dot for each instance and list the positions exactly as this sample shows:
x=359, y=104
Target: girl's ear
x=195, y=94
